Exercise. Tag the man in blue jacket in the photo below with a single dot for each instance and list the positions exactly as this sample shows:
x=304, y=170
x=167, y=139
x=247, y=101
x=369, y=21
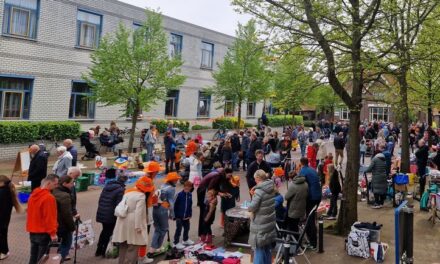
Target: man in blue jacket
x=313, y=198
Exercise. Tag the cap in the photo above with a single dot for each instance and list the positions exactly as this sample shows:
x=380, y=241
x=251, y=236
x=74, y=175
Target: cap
x=172, y=176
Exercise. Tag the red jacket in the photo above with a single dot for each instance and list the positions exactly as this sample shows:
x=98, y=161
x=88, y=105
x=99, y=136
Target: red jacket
x=311, y=156
x=42, y=213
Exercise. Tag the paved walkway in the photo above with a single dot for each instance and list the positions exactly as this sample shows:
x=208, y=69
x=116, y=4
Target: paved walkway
x=426, y=238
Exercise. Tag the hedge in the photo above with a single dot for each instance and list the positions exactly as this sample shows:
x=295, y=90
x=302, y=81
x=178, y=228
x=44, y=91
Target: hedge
x=162, y=124
x=200, y=127
x=28, y=132
x=247, y=125
x=226, y=122
x=308, y=123
x=280, y=120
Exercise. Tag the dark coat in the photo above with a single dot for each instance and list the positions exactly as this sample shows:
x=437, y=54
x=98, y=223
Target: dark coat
x=38, y=167
x=226, y=154
x=74, y=152
x=170, y=147
x=422, y=155
x=73, y=199
x=339, y=142
x=253, y=167
x=110, y=197
x=314, y=183
x=335, y=186
x=183, y=205
x=296, y=197
x=64, y=209
x=254, y=146
x=235, y=143
x=379, y=171
x=5, y=206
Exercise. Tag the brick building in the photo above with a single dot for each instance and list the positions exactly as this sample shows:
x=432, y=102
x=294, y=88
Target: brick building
x=45, y=46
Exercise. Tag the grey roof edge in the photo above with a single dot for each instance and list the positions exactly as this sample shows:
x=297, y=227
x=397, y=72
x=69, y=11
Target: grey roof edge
x=172, y=18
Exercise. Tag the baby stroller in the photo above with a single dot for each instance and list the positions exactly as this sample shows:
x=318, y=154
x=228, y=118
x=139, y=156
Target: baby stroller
x=91, y=151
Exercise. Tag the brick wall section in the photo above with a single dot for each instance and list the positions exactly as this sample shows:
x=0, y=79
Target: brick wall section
x=54, y=62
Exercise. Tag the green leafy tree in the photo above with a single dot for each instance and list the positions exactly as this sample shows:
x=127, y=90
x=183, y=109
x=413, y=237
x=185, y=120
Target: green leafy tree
x=292, y=82
x=134, y=69
x=324, y=99
x=243, y=75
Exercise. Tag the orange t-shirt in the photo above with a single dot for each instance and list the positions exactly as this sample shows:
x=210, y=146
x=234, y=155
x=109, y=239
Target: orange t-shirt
x=191, y=148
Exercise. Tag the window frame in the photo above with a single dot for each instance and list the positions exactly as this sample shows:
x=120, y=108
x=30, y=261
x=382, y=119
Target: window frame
x=76, y=94
x=175, y=103
x=204, y=96
x=232, y=104
x=3, y=117
x=97, y=33
x=179, y=46
x=371, y=113
x=211, y=66
x=26, y=91
x=7, y=28
x=344, y=111
x=254, y=109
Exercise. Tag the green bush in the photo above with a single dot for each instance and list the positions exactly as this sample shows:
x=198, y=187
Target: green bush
x=200, y=127
x=226, y=122
x=248, y=125
x=280, y=120
x=162, y=124
x=28, y=132
x=308, y=123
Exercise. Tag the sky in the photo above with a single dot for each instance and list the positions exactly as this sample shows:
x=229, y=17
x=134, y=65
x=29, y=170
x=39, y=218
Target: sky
x=217, y=15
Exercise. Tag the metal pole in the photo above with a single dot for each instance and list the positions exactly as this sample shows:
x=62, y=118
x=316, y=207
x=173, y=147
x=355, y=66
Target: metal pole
x=409, y=215
x=321, y=237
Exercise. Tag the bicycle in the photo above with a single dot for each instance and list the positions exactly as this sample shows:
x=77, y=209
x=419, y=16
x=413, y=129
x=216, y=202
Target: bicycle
x=434, y=197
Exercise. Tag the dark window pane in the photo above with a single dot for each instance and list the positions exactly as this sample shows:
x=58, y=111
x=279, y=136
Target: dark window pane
x=12, y=105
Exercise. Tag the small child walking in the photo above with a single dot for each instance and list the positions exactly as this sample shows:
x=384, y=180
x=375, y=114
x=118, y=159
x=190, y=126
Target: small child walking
x=183, y=214
x=208, y=217
x=335, y=188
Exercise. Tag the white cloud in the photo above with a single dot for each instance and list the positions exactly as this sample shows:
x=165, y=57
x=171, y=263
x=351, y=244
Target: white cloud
x=217, y=15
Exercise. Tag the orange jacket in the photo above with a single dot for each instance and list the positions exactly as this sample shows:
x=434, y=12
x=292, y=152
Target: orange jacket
x=42, y=213
x=191, y=148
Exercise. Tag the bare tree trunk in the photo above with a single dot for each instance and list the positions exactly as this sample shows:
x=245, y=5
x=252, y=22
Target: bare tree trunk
x=405, y=120
x=239, y=115
x=134, y=118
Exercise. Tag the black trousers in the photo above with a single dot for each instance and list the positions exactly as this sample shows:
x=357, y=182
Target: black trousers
x=292, y=224
x=104, y=237
x=201, y=204
x=39, y=246
x=180, y=223
x=379, y=199
x=421, y=170
x=311, y=230
x=4, y=240
x=333, y=210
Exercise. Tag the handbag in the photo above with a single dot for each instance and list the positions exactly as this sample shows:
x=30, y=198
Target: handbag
x=401, y=179
x=112, y=251
x=121, y=209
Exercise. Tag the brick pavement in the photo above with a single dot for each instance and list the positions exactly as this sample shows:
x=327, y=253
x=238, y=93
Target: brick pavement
x=426, y=242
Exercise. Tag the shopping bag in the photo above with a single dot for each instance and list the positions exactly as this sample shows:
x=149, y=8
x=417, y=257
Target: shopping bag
x=401, y=179
x=378, y=251
x=112, y=250
x=86, y=235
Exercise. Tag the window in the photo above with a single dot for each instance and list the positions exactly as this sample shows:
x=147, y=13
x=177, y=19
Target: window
x=207, y=55
x=175, y=45
x=136, y=26
x=379, y=114
x=343, y=114
x=204, y=104
x=172, y=103
x=21, y=17
x=81, y=107
x=250, y=109
x=15, y=98
x=89, y=29
x=229, y=108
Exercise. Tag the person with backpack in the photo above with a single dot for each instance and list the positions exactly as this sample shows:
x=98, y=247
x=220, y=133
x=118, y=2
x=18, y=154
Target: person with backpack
x=109, y=198
x=163, y=210
x=296, y=198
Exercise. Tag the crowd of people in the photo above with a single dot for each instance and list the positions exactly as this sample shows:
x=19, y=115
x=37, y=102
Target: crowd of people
x=130, y=215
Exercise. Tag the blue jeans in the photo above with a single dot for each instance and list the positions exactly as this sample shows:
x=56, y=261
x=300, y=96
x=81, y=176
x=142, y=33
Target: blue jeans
x=263, y=255
x=66, y=242
x=179, y=224
x=303, y=150
x=150, y=148
x=160, y=217
x=234, y=160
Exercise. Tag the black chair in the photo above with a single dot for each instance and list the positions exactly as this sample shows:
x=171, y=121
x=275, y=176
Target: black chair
x=289, y=246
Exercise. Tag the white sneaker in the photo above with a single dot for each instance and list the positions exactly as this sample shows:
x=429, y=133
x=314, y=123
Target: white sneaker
x=188, y=242
x=146, y=260
x=179, y=246
x=4, y=256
